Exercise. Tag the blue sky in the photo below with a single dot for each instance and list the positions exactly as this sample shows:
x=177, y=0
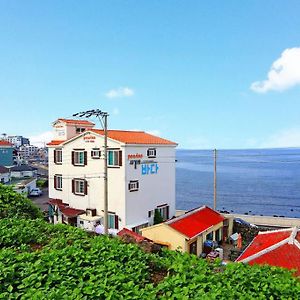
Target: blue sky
x=185, y=70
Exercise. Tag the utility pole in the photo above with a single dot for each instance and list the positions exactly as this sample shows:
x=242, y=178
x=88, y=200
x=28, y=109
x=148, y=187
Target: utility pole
x=215, y=179
x=102, y=116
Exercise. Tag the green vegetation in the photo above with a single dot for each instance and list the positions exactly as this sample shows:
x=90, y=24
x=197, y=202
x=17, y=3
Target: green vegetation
x=44, y=261
x=157, y=217
x=41, y=183
x=13, y=204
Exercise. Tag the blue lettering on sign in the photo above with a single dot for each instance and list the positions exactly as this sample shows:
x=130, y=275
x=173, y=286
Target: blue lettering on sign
x=149, y=169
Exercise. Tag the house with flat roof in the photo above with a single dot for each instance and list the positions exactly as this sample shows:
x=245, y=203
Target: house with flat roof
x=279, y=248
x=141, y=176
x=189, y=231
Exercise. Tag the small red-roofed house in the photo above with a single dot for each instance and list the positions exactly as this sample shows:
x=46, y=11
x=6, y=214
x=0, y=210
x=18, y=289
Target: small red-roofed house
x=279, y=248
x=188, y=232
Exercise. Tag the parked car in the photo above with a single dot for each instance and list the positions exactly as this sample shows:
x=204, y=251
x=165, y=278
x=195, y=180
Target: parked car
x=35, y=192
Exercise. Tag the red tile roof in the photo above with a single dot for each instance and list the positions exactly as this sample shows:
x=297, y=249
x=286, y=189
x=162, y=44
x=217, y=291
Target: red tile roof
x=71, y=212
x=65, y=209
x=263, y=241
x=136, y=236
x=5, y=143
x=276, y=248
x=196, y=221
x=135, y=137
x=77, y=122
x=286, y=256
x=54, y=143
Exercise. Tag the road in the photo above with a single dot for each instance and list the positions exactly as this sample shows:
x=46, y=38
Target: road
x=41, y=201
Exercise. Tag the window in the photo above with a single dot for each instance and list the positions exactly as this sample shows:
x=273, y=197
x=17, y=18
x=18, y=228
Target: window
x=58, y=182
x=113, y=221
x=133, y=185
x=96, y=153
x=137, y=229
x=164, y=211
x=114, y=158
x=150, y=213
x=151, y=152
x=79, y=187
x=58, y=156
x=209, y=237
x=80, y=129
x=79, y=158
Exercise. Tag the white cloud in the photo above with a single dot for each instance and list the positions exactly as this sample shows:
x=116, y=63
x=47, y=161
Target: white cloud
x=284, y=73
x=282, y=139
x=41, y=139
x=120, y=92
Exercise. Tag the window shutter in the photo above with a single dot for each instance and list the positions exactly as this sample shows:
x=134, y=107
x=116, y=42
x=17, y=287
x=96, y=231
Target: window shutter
x=55, y=185
x=91, y=153
x=54, y=152
x=137, y=185
x=116, y=222
x=120, y=158
x=129, y=186
x=73, y=158
x=73, y=186
x=85, y=158
x=85, y=187
x=168, y=211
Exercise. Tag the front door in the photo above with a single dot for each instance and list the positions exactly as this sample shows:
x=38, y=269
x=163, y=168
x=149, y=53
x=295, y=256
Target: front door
x=193, y=248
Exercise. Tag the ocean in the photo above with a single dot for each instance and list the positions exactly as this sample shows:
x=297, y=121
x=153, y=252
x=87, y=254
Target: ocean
x=255, y=182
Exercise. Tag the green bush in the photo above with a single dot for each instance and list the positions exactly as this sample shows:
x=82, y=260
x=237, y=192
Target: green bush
x=44, y=261
x=13, y=204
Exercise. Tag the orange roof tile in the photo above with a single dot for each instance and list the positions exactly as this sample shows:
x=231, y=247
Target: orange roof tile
x=54, y=143
x=78, y=122
x=135, y=137
x=5, y=143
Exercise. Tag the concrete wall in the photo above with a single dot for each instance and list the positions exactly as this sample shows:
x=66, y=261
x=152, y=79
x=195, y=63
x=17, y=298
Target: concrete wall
x=266, y=220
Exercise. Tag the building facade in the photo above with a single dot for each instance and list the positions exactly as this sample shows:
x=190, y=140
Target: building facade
x=6, y=153
x=141, y=176
x=17, y=140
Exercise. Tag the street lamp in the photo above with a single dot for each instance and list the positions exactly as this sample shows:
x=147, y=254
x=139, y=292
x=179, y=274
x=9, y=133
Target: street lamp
x=102, y=117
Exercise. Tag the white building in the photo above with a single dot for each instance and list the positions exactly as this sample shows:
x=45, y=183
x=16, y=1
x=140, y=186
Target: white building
x=27, y=151
x=141, y=176
x=17, y=140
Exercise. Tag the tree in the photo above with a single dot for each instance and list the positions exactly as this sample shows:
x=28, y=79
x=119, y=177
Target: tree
x=157, y=217
x=13, y=204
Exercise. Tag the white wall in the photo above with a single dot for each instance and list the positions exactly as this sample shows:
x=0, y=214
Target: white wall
x=154, y=189
x=93, y=173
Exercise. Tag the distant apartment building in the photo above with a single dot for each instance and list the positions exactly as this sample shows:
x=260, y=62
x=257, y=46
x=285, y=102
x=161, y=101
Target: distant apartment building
x=28, y=151
x=17, y=140
x=6, y=153
x=141, y=176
